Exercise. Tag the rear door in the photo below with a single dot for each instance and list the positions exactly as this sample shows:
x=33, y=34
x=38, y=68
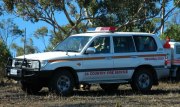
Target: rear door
x=148, y=51
x=96, y=66
x=125, y=57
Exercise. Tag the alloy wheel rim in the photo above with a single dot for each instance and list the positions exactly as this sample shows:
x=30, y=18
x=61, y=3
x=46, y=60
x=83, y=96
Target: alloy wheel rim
x=144, y=81
x=63, y=83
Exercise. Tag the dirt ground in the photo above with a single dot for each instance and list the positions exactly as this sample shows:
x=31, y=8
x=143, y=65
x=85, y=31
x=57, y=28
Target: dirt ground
x=164, y=95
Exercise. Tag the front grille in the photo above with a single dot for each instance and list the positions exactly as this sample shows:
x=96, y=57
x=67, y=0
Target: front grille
x=23, y=63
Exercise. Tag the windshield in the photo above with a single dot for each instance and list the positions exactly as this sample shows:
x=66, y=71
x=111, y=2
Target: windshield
x=73, y=44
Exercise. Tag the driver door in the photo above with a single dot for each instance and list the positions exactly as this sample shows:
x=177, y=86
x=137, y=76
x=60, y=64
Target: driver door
x=97, y=65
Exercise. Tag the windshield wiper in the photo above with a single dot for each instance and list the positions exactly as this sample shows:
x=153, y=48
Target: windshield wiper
x=72, y=51
x=67, y=50
x=60, y=50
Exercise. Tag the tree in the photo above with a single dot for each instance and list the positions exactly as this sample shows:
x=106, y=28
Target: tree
x=42, y=33
x=4, y=54
x=9, y=31
x=165, y=13
x=1, y=9
x=131, y=15
x=4, y=51
x=126, y=15
x=177, y=3
x=173, y=30
x=29, y=47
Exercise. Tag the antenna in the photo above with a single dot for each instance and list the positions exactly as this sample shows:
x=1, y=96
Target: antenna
x=24, y=42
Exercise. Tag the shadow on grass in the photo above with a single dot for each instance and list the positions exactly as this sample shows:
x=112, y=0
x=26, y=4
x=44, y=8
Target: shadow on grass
x=99, y=92
x=127, y=92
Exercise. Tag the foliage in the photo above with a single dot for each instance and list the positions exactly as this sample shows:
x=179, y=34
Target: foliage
x=173, y=27
x=177, y=3
x=4, y=54
x=54, y=40
x=9, y=31
x=126, y=15
x=44, y=10
x=1, y=9
x=42, y=33
x=173, y=32
x=29, y=47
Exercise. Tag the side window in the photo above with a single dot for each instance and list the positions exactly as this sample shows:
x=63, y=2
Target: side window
x=102, y=45
x=145, y=43
x=123, y=44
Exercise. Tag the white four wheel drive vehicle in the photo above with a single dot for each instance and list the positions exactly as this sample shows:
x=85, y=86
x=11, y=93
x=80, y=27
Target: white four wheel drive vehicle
x=100, y=57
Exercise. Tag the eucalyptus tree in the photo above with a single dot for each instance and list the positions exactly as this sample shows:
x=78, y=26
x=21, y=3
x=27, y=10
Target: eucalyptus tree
x=126, y=15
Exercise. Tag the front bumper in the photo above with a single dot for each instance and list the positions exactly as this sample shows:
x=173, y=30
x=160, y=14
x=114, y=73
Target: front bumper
x=26, y=74
x=23, y=71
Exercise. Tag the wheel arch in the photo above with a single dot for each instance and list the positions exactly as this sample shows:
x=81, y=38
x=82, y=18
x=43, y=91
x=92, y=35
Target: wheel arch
x=72, y=71
x=150, y=69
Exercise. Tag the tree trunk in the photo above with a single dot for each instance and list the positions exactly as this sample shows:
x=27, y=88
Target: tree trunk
x=162, y=16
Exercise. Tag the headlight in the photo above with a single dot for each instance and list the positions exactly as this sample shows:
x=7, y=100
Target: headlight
x=35, y=64
x=43, y=63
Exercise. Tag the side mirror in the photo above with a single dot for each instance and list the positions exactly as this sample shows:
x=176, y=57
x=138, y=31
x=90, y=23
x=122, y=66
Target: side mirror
x=90, y=50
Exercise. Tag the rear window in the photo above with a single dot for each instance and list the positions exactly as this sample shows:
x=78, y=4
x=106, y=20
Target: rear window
x=178, y=49
x=123, y=44
x=145, y=43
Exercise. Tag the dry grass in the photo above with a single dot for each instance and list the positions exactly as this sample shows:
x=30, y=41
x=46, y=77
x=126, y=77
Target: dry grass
x=164, y=95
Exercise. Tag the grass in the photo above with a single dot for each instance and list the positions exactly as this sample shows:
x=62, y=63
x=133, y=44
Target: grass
x=166, y=94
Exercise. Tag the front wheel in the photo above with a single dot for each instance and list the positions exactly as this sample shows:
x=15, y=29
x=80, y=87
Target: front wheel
x=142, y=81
x=63, y=83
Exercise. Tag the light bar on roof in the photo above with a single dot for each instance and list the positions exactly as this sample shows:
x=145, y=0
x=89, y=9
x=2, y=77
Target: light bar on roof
x=102, y=29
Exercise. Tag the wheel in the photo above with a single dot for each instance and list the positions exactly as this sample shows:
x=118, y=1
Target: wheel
x=109, y=87
x=142, y=81
x=30, y=88
x=63, y=83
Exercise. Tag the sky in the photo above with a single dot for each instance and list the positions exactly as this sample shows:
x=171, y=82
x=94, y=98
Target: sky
x=31, y=27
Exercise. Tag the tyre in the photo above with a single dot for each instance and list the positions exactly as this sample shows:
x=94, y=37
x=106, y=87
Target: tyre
x=142, y=81
x=109, y=87
x=30, y=88
x=62, y=83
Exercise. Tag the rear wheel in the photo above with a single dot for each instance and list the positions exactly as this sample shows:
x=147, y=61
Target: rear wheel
x=63, y=83
x=30, y=88
x=109, y=87
x=142, y=81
